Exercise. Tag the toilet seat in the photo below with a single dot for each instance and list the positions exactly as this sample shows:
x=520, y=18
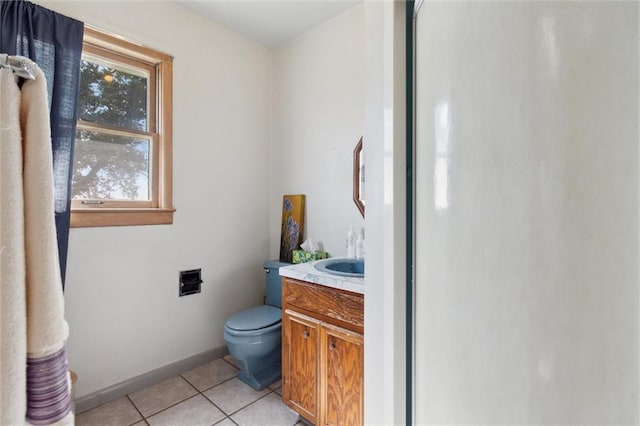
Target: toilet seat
x=255, y=321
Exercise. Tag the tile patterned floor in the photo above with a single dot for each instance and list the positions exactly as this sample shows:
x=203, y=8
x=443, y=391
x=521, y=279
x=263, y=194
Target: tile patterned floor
x=207, y=395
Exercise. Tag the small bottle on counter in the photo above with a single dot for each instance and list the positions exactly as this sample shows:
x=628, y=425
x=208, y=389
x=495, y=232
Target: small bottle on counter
x=360, y=244
x=351, y=244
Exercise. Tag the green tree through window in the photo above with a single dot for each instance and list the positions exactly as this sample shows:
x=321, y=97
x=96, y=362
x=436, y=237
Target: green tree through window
x=109, y=166
x=112, y=96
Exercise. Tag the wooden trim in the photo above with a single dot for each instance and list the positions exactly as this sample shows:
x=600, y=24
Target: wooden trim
x=90, y=204
x=116, y=43
x=165, y=130
x=322, y=383
x=127, y=60
x=113, y=130
x=154, y=173
x=82, y=218
x=349, y=335
x=153, y=104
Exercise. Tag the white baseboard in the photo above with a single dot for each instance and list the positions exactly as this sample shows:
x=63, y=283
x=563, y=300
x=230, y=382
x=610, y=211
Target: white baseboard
x=134, y=384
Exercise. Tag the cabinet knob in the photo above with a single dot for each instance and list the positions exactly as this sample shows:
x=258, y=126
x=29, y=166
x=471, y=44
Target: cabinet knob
x=332, y=345
x=305, y=334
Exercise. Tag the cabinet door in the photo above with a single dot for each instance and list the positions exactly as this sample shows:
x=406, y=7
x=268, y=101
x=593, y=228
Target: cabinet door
x=300, y=364
x=342, y=358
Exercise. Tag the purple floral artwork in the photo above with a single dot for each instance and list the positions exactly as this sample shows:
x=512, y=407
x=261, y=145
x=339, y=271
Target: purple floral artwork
x=292, y=226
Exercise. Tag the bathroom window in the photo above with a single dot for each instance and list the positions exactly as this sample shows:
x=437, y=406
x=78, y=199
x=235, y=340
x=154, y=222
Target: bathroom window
x=122, y=160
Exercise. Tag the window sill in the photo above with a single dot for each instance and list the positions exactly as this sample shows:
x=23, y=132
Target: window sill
x=94, y=217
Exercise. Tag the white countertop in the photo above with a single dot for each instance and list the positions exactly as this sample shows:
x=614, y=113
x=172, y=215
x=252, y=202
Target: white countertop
x=306, y=272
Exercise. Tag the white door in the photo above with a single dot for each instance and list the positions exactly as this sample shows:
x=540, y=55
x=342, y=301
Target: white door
x=527, y=291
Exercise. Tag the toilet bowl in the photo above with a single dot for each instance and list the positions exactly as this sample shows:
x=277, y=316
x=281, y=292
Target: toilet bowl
x=253, y=336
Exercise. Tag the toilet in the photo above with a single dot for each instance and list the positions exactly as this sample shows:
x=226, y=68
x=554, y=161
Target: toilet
x=253, y=336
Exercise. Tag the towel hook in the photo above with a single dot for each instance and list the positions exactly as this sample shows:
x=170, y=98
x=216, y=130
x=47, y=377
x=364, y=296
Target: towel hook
x=18, y=65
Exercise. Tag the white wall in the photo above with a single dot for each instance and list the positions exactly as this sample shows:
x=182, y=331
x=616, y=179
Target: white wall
x=318, y=106
x=385, y=115
x=527, y=290
x=250, y=125
x=343, y=79
x=121, y=296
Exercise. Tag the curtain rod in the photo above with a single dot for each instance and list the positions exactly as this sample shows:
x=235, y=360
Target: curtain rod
x=19, y=65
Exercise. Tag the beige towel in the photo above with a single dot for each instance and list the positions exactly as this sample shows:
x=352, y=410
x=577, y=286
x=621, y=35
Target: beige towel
x=47, y=330
x=13, y=325
x=47, y=389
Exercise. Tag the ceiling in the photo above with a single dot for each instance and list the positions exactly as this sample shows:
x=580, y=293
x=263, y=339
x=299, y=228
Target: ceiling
x=269, y=22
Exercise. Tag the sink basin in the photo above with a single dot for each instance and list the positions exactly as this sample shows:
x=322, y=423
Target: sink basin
x=344, y=267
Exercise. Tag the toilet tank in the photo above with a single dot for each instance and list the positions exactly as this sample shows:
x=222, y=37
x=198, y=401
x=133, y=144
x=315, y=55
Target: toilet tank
x=274, y=284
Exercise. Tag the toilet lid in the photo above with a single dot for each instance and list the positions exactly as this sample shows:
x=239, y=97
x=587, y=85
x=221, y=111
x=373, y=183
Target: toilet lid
x=255, y=318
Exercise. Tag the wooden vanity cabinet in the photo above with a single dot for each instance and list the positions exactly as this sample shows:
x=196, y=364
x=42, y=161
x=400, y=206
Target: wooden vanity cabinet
x=342, y=360
x=323, y=353
x=301, y=340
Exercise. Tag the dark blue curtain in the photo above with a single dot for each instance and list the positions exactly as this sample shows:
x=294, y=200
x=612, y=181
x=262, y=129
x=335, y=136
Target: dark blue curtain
x=54, y=42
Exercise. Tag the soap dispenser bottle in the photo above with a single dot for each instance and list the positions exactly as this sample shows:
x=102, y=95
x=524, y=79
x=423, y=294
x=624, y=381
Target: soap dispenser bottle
x=360, y=244
x=351, y=244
